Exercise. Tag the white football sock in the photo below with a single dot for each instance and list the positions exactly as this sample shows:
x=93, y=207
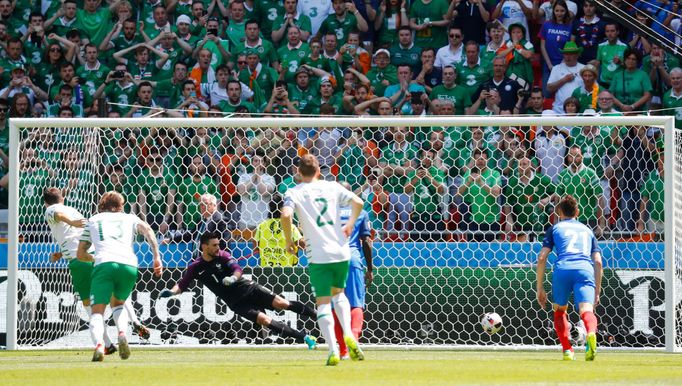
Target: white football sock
x=96, y=329
x=342, y=309
x=325, y=320
x=121, y=319
x=131, y=311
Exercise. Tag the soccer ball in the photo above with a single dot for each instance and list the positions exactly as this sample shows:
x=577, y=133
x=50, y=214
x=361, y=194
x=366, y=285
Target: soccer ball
x=491, y=322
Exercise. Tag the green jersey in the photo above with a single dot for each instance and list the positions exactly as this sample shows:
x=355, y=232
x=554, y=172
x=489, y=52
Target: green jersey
x=351, y=166
x=587, y=99
x=61, y=26
x=410, y=55
x=472, y=77
x=262, y=84
x=669, y=62
x=673, y=106
x=653, y=190
x=227, y=107
x=46, y=76
x=458, y=95
x=523, y=199
x=235, y=33
x=96, y=25
x=265, y=50
x=303, y=99
x=629, y=86
x=482, y=204
x=377, y=76
x=93, y=77
x=425, y=197
x=291, y=59
x=335, y=101
x=397, y=156
x=301, y=21
x=166, y=88
x=124, y=95
x=266, y=12
x=156, y=190
x=341, y=28
x=605, y=54
x=190, y=192
x=594, y=147
x=121, y=43
x=423, y=13
x=585, y=187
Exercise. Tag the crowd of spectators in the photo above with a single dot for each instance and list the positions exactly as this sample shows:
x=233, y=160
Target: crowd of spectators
x=175, y=58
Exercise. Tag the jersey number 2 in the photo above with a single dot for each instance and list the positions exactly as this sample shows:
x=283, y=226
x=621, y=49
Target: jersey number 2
x=323, y=210
x=585, y=242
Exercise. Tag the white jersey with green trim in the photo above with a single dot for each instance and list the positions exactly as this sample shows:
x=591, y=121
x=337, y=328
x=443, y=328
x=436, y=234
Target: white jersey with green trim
x=66, y=236
x=317, y=208
x=112, y=234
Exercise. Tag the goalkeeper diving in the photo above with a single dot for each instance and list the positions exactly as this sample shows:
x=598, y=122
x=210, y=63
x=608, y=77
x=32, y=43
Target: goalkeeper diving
x=221, y=273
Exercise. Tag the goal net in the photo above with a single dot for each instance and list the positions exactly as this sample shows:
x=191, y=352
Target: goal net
x=458, y=208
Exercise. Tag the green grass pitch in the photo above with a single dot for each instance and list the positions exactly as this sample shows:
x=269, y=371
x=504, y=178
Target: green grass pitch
x=301, y=367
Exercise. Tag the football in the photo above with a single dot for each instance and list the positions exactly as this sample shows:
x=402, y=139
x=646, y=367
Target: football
x=491, y=322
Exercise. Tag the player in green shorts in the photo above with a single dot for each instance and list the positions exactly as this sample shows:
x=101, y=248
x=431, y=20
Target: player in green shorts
x=66, y=225
x=113, y=234
x=316, y=204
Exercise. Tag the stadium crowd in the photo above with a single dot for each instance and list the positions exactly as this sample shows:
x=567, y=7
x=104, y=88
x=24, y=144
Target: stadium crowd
x=175, y=58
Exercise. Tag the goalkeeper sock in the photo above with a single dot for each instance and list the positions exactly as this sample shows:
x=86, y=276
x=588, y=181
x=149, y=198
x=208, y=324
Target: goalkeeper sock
x=128, y=305
x=590, y=321
x=357, y=317
x=301, y=309
x=343, y=350
x=325, y=321
x=561, y=326
x=283, y=330
x=120, y=318
x=96, y=328
x=342, y=309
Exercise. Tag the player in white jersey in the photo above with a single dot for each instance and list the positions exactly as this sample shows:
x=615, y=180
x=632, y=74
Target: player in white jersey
x=66, y=225
x=113, y=234
x=316, y=205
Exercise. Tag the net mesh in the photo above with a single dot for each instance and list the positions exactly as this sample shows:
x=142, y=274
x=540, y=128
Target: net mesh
x=458, y=217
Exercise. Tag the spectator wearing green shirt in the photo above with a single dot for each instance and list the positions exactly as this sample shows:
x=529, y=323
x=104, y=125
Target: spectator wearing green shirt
x=471, y=72
x=157, y=191
x=397, y=162
x=96, y=21
x=452, y=92
x=527, y=195
x=292, y=54
x=652, y=206
x=672, y=99
x=658, y=65
x=143, y=68
x=587, y=94
x=234, y=98
x=346, y=18
x=235, y=30
x=610, y=54
x=253, y=41
x=290, y=18
x=582, y=182
x=144, y=105
x=384, y=73
x=631, y=87
x=176, y=49
x=480, y=190
x=352, y=158
x=217, y=46
x=197, y=183
x=426, y=184
x=404, y=51
x=123, y=35
x=428, y=18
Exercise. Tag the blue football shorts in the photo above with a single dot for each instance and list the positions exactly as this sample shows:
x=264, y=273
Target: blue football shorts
x=578, y=281
x=355, y=284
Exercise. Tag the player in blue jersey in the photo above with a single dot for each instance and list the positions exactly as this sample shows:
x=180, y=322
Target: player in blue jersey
x=577, y=269
x=360, y=274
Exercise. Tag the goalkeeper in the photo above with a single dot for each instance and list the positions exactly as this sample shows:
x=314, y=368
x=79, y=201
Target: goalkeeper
x=218, y=271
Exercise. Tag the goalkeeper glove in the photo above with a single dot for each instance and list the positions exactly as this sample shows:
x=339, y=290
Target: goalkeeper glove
x=166, y=293
x=229, y=280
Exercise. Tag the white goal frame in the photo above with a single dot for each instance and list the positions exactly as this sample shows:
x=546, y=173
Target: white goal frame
x=666, y=122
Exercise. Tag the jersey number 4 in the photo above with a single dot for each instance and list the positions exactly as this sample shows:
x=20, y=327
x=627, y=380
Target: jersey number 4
x=321, y=221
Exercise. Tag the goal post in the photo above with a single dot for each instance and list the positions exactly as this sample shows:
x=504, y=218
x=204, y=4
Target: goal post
x=436, y=271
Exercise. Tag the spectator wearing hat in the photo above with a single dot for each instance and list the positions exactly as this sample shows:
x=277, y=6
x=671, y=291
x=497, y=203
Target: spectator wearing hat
x=588, y=93
x=631, y=87
x=383, y=74
x=610, y=54
x=22, y=84
x=453, y=52
x=554, y=35
x=565, y=76
x=518, y=53
x=672, y=99
x=183, y=28
x=327, y=96
x=588, y=32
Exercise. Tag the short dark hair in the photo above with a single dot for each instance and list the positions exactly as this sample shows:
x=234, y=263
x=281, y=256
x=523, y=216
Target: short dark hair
x=405, y=28
x=308, y=166
x=251, y=21
x=52, y=196
x=208, y=236
x=568, y=206
x=145, y=83
x=633, y=51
